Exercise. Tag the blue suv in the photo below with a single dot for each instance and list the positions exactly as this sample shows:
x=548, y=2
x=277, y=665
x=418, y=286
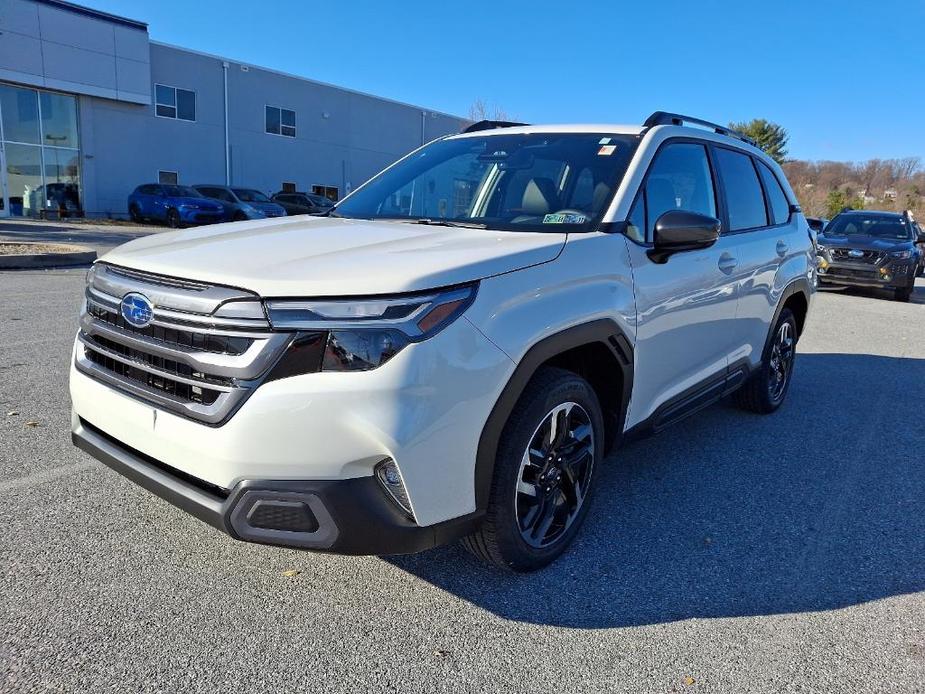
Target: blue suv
x=176, y=206
x=241, y=203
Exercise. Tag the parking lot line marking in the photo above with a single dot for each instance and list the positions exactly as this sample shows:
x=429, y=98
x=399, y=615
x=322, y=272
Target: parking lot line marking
x=37, y=478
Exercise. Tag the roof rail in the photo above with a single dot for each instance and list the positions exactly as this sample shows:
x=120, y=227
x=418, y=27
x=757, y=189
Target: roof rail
x=665, y=118
x=489, y=125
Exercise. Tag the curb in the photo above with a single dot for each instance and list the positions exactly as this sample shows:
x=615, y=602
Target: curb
x=73, y=255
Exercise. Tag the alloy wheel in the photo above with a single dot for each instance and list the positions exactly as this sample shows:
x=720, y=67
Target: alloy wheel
x=555, y=475
x=781, y=362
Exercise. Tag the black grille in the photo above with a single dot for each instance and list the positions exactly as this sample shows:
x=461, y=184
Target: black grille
x=183, y=391
x=204, y=342
x=845, y=254
x=294, y=516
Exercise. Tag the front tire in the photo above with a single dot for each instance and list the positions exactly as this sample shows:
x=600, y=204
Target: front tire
x=904, y=293
x=543, y=475
x=173, y=219
x=766, y=389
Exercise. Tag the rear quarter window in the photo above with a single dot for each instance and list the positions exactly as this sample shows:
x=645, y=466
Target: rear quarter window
x=780, y=207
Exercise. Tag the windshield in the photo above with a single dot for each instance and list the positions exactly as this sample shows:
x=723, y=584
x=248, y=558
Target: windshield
x=534, y=182
x=879, y=226
x=248, y=195
x=319, y=200
x=182, y=192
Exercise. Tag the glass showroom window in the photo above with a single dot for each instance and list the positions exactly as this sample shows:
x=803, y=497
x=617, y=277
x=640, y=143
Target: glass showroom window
x=41, y=143
x=172, y=102
x=280, y=121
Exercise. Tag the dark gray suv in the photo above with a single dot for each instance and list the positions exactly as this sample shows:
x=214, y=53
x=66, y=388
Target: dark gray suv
x=871, y=249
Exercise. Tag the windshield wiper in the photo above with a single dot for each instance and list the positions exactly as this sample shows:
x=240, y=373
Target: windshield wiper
x=448, y=223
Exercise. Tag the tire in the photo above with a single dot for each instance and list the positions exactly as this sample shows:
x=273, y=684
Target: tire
x=239, y=217
x=135, y=214
x=904, y=293
x=766, y=389
x=173, y=219
x=537, y=501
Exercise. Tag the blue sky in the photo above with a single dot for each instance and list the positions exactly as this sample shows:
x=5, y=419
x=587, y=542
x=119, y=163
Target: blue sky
x=845, y=78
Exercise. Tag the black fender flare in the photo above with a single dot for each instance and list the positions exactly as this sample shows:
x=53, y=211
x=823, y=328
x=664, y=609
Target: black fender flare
x=798, y=286
x=604, y=331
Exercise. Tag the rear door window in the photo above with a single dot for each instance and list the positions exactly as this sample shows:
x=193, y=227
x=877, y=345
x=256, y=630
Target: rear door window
x=744, y=198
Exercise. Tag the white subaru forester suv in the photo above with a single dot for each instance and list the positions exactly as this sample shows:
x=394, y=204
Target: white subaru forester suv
x=455, y=348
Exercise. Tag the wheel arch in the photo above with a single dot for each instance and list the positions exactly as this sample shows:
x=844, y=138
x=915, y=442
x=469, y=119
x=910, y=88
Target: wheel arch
x=599, y=351
x=795, y=297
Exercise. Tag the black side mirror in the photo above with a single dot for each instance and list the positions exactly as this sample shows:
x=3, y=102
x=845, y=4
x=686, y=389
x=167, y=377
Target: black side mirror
x=678, y=230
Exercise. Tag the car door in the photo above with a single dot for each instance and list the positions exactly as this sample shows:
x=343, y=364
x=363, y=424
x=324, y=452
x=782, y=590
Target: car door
x=759, y=219
x=158, y=203
x=685, y=307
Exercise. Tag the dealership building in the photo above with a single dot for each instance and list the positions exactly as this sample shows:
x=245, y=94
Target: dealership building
x=90, y=107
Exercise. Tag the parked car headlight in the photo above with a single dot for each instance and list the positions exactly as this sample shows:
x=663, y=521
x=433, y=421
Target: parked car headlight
x=361, y=334
x=901, y=255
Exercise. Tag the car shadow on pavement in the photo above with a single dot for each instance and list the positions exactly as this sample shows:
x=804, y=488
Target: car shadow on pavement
x=817, y=507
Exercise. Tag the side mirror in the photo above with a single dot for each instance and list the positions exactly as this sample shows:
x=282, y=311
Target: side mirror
x=921, y=237
x=677, y=231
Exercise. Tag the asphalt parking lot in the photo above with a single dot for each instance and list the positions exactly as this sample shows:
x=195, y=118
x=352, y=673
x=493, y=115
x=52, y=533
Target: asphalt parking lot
x=733, y=553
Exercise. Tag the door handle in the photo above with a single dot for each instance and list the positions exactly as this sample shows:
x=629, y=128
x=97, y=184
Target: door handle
x=727, y=263
x=782, y=248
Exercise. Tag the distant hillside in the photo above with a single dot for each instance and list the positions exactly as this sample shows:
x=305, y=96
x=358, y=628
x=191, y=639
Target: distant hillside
x=825, y=187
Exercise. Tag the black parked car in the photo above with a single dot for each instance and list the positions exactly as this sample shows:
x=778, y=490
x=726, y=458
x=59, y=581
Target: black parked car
x=871, y=249
x=302, y=203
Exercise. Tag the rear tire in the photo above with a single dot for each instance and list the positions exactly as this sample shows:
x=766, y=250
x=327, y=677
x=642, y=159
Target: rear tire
x=239, y=217
x=543, y=475
x=766, y=389
x=135, y=213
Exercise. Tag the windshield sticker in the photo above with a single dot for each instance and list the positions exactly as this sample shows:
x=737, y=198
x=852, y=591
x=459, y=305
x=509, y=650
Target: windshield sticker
x=606, y=150
x=564, y=218
x=604, y=141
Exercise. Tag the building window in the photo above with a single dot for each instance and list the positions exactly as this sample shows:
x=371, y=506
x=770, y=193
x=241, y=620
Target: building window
x=171, y=102
x=168, y=178
x=330, y=192
x=280, y=121
x=288, y=187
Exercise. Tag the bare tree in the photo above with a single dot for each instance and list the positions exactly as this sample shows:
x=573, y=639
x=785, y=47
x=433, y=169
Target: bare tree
x=481, y=110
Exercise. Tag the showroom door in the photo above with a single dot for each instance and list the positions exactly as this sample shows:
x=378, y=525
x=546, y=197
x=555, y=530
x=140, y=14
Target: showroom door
x=4, y=189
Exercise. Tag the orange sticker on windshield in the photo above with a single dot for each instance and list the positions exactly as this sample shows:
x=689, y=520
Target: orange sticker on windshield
x=606, y=150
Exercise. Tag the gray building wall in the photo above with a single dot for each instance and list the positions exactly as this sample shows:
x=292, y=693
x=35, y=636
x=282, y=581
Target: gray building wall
x=61, y=46
x=342, y=137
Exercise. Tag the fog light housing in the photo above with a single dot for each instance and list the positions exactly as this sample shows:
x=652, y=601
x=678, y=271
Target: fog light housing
x=390, y=479
x=885, y=274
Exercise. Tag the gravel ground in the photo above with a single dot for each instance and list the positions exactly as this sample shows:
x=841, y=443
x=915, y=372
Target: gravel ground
x=732, y=553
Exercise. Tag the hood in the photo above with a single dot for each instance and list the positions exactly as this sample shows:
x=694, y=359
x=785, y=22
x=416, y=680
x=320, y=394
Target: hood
x=863, y=243
x=324, y=256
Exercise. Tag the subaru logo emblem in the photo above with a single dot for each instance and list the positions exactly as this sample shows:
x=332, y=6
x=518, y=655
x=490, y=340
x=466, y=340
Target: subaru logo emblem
x=137, y=310
x=855, y=253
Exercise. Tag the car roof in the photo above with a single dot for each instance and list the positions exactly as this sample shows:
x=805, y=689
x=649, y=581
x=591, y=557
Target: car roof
x=589, y=128
x=883, y=213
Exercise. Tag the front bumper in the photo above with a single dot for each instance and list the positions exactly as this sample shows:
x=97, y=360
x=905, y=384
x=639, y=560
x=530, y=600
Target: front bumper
x=192, y=216
x=351, y=516
x=897, y=273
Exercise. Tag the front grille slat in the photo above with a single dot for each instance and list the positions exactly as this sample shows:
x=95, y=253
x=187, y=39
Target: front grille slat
x=186, y=361
x=866, y=256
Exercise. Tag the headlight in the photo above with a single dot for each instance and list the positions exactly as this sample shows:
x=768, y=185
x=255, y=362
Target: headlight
x=820, y=248
x=902, y=255
x=361, y=334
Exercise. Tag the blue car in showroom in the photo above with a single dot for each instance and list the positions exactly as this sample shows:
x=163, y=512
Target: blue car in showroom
x=241, y=203
x=174, y=205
